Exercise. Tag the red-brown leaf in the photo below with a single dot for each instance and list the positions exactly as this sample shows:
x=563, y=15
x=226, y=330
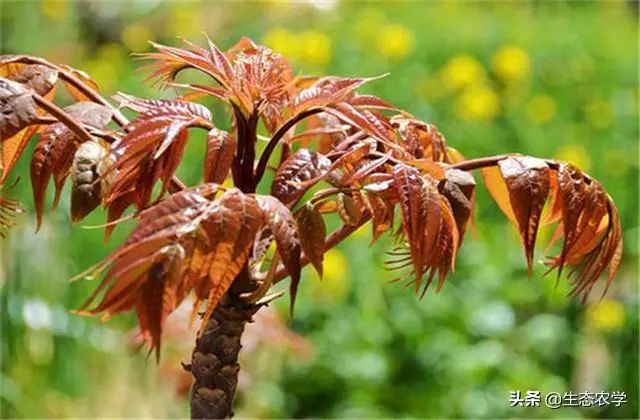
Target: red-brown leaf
x=169, y=61
x=299, y=172
x=587, y=217
x=153, y=146
x=381, y=214
x=591, y=228
x=231, y=227
x=18, y=110
x=527, y=181
x=221, y=148
x=54, y=152
x=283, y=227
x=459, y=189
x=415, y=202
x=42, y=79
x=498, y=190
x=312, y=231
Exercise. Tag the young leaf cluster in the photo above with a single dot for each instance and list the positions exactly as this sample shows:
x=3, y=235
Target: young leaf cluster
x=331, y=150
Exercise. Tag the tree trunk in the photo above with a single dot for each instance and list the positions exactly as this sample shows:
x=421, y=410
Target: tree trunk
x=214, y=361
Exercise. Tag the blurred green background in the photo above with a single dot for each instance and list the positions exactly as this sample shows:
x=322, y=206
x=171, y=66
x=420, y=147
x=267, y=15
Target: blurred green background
x=550, y=79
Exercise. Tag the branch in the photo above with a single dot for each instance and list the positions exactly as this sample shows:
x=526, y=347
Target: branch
x=484, y=162
x=268, y=150
x=118, y=116
x=62, y=116
x=86, y=90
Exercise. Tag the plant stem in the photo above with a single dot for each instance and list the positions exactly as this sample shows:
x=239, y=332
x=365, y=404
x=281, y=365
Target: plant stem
x=214, y=361
x=484, y=162
x=277, y=136
x=62, y=116
x=246, y=134
x=86, y=90
x=118, y=117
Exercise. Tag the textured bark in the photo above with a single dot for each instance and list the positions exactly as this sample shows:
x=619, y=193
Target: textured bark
x=214, y=362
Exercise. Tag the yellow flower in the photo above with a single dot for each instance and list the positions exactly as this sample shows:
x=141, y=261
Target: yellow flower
x=599, y=114
x=541, y=109
x=54, y=9
x=608, y=315
x=311, y=46
x=277, y=4
x=511, y=64
x=282, y=41
x=315, y=47
x=395, y=41
x=462, y=71
x=135, y=36
x=576, y=154
x=478, y=103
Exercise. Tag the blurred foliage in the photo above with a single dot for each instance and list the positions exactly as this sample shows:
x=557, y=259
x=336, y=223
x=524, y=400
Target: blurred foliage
x=552, y=79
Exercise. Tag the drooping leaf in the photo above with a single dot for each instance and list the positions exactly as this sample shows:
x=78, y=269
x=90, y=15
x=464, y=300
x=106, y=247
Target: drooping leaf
x=428, y=226
x=587, y=218
x=444, y=257
x=160, y=294
x=420, y=139
x=40, y=78
x=498, y=190
x=17, y=108
x=414, y=204
x=299, y=172
x=312, y=232
x=221, y=148
x=458, y=188
x=12, y=148
x=591, y=230
x=381, y=214
x=231, y=228
x=527, y=181
x=153, y=145
x=54, y=152
x=283, y=227
x=146, y=272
